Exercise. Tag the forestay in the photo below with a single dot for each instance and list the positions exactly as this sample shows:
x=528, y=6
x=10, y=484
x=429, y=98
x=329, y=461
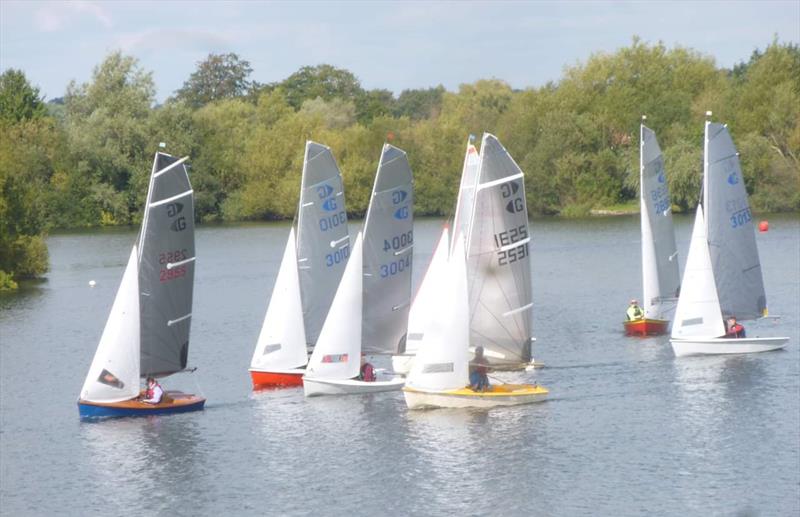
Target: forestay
x=166, y=268
x=323, y=244
x=282, y=341
x=466, y=193
x=731, y=236
x=660, y=275
x=697, y=314
x=388, y=245
x=426, y=304
x=498, y=259
x=337, y=354
x=443, y=359
x=114, y=373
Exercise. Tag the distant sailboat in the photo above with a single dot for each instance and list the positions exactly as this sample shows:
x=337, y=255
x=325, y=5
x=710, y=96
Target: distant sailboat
x=498, y=260
x=147, y=332
x=312, y=266
x=369, y=313
x=660, y=274
x=439, y=377
x=723, y=273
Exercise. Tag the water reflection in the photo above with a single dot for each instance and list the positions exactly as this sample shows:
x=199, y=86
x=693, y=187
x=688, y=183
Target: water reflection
x=139, y=463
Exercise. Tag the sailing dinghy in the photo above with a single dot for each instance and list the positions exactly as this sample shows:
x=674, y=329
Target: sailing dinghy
x=723, y=274
x=660, y=276
x=312, y=266
x=370, y=310
x=147, y=332
x=439, y=377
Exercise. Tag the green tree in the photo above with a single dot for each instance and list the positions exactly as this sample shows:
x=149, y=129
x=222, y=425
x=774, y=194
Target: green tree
x=108, y=130
x=324, y=81
x=219, y=76
x=18, y=99
x=419, y=104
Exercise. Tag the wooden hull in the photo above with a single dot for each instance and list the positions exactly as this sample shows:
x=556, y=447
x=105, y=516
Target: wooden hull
x=317, y=387
x=499, y=395
x=714, y=346
x=277, y=379
x=177, y=402
x=646, y=327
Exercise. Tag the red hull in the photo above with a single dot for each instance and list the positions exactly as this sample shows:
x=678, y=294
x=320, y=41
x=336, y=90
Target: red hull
x=646, y=327
x=276, y=379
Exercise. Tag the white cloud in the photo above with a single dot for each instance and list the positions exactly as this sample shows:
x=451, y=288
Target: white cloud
x=175, y=39
x=54, y=16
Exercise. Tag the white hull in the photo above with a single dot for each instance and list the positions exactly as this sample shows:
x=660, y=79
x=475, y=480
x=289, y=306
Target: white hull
x=711, y=346
x=316, y=387
x=419, y=399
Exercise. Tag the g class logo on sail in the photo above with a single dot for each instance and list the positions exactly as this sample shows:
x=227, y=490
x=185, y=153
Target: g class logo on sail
x=324, y=191
x=330, y=205
x=733, y=178
x=399, y=196
x=178, y=225
x=401, y=213
x=174, y=209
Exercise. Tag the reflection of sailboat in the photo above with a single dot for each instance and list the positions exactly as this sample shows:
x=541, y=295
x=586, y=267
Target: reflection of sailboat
x=370, y=310
x=439, y=376
x=660, y=275
x=313, y=263
x=723, y=273
x=147, y=332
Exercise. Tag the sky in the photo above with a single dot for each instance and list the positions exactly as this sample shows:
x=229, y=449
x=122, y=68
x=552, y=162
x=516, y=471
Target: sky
x=391, y=45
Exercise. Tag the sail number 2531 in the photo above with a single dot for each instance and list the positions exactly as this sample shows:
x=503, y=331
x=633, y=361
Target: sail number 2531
x=510, y=236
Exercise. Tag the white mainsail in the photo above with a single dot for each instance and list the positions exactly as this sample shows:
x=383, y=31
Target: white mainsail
x=388, y=252
x=731, y=235
x=697, y=313
x=114, y=373
x=282, y=342
x=337, y=354
x=425, y=306
x=442, y=362
x=323, y=243
x=660, y=275
x=466, y=193
x=498, y=259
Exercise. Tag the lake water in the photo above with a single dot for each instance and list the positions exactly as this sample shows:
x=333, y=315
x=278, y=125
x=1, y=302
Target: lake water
x=628, y=429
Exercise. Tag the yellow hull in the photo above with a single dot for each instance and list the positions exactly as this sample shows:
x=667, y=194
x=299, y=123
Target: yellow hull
x=497, y=395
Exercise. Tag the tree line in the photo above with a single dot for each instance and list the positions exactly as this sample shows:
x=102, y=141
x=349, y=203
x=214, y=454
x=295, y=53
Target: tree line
x=84, y=159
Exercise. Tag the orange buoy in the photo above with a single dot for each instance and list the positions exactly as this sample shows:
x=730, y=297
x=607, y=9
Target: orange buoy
x=763, y=226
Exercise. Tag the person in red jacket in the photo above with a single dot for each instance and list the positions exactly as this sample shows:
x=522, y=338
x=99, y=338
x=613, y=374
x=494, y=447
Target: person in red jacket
x=367, y=371
x=734, y=329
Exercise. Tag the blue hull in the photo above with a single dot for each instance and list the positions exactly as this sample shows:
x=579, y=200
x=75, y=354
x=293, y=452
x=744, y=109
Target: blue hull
x=92, y=412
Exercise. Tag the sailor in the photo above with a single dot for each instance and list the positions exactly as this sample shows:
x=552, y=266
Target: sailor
x=367, y=371
x=634, y=312
x=734, y=329
x=154, y=391
x=478, y=369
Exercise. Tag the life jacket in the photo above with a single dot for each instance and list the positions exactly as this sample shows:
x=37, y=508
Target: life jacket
x=634, y=312
x=367, y=373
